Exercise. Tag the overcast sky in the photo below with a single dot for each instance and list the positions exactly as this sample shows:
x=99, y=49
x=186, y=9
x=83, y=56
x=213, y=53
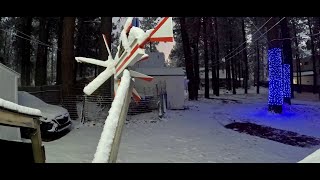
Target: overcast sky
x=162, y=47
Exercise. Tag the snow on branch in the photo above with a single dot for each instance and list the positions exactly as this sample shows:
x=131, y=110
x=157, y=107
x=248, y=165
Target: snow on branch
x=17, y=108
x=107, y=136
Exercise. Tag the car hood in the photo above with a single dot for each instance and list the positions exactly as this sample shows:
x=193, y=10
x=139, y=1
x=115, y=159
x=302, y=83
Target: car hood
x=53, y=112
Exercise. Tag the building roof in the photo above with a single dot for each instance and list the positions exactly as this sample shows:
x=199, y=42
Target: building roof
x=155, y=60
x=161, y=71
x=222, y=74
x=9, y=69
x=304, y=73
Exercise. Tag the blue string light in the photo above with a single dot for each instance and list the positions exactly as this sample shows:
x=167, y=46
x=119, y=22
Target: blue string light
x=275, y=77
x=286, y=81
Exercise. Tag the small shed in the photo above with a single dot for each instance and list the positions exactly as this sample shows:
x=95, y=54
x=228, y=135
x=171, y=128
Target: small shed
x=170, y=79
x=9, y=91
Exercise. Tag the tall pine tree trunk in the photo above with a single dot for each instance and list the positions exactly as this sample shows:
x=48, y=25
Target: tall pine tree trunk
x=313, y=56
x=67, y=59
x=196, y=69
x=297, y=57
x=318, y=46
x=68, y=63
x=217, y=56
x=24, y=50
x=187, y=57
x=238, y=72
x=80, y=47
x=232, y=64
x=258, y=66
x=245, y=59
x=206, y=58
x=233, y=74
x=42, y=53
x=59, y=52
x=287, y=55
x=195, y=45
x=212, y=55
x=106, y=29
x=228, y=74
x=275, y=100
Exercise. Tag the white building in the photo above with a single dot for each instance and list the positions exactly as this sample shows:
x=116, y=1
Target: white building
x=9, y=91
x=306, y=78
x=169, y=79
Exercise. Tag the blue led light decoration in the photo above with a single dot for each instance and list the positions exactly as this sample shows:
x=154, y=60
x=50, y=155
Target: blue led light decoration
x=275, y=99
x=286, y=81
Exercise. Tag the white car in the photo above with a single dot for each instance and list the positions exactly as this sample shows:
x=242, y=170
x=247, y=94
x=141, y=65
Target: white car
x=54, y=118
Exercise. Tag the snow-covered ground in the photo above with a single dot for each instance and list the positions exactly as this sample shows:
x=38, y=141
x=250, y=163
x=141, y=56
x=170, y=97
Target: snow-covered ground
x=312, y=158
x=198, y=133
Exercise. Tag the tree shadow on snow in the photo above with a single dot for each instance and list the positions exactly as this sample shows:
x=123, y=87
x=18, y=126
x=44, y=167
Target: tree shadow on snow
x=278, y=135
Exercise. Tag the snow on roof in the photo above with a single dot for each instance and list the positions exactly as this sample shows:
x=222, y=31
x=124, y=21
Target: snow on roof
x=9, y=69
x=305, y=73
x=20, y=109
x=161, y=71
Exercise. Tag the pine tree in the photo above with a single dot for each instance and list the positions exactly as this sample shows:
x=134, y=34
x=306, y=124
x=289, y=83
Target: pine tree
x=146, y=24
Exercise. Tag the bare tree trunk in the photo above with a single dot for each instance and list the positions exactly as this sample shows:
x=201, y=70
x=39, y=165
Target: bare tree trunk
x=195, y=45
x=106, y=29
x=24, y=50
x=187, y=57
x=42, y=54
x=228, y=75
x=68, y=63
x=206, y=58
x=233, y=75
x=245, y=58
x=287, y=55
x=239, y=73
x=67, y=59
x=5, y=59
x=297, y=56
x=52, y=62
x=258, y=66
x=318, y=28
x=228, y=60
x=275, y=100
x=217, y=57
x=313, y=56
x=212, y=55
x=196, y=69
x=59, y=52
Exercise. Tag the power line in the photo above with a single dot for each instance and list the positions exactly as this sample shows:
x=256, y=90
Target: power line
x=245, y=40
x=31, y=38
x=253, y=41
x=296, y=37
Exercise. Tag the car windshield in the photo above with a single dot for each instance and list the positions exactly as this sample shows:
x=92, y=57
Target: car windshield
x=29, y=100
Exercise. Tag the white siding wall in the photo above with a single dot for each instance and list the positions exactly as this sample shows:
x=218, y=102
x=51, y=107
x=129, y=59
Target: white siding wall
x=8, y=91
x=174, y=86
x=7, y=85
x=305, y=80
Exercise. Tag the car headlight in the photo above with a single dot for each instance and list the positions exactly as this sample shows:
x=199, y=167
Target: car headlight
x=44, y=118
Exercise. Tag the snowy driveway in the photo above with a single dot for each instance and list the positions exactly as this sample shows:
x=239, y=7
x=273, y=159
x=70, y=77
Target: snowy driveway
x=193, y=135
